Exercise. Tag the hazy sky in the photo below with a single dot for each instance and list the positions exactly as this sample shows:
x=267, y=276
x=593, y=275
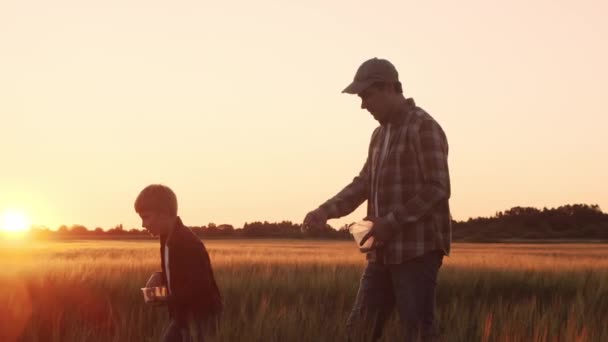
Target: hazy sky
x=237, y=105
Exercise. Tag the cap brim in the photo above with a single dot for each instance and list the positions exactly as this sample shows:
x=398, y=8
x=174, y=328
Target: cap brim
x=356, y=87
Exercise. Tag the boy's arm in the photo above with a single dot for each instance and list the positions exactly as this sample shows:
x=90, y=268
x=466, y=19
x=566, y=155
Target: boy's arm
x=187, y=277
x=155, y=280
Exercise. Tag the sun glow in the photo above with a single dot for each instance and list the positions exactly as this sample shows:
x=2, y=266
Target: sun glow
x=14, y=223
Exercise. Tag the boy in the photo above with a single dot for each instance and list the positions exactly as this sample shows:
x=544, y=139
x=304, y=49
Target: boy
x=194, y=300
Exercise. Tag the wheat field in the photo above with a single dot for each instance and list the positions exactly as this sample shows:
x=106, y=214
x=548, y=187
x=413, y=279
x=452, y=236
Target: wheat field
x=300, y=290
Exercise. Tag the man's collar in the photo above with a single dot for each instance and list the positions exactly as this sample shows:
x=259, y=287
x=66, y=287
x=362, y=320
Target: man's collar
x=405, y=108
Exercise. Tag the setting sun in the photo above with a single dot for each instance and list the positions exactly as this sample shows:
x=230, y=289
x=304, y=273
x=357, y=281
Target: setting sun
x=14, y=222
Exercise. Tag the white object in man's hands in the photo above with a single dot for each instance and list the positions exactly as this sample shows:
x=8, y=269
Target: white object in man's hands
x=358, y=230
x=156, y=294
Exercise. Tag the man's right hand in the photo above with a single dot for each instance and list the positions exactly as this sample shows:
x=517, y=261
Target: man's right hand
x=314, y=219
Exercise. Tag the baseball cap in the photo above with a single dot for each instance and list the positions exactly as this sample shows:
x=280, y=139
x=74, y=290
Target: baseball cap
x=372, y=71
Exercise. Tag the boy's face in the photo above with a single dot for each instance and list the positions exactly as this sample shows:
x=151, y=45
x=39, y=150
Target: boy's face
x=155, y=223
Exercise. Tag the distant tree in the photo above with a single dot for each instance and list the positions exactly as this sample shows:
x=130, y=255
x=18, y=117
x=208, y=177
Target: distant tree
x=63, y=230
x=225, y=227
x=78, y=229
x=117, y=230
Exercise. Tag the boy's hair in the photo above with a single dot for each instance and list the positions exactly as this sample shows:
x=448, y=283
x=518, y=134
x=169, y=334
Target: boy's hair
x=157, y=198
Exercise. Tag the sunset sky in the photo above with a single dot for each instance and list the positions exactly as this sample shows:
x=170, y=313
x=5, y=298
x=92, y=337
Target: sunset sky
x=237, y=105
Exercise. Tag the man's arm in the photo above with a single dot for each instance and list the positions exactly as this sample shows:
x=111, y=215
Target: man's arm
x=349, y=198
x=431, y=148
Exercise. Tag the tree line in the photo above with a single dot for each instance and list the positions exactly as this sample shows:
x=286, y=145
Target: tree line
x=257, y=229
x=577, y=221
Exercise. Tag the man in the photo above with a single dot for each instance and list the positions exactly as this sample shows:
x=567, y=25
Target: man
x=194, y=300
x=406, y=183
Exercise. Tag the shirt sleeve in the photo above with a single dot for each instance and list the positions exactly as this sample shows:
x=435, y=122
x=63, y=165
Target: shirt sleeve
x=187, y=275
x=351, y=197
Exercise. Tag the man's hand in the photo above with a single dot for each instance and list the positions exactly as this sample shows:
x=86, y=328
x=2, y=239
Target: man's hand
x=314, y=219
x=381, y=231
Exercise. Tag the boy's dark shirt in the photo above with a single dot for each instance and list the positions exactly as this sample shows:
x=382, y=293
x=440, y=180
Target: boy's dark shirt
x=194, y=292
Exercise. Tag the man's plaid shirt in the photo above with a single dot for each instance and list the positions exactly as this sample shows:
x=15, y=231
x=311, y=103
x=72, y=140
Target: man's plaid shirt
x=405, y=180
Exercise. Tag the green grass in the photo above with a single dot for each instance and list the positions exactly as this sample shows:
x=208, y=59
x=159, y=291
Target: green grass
x=284, y=290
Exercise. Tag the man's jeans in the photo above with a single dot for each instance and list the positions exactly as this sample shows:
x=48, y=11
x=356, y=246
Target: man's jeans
x=409, y=286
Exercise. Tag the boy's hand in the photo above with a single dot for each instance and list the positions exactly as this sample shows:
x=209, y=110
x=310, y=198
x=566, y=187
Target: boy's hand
x=154, y=298
x=155, y=280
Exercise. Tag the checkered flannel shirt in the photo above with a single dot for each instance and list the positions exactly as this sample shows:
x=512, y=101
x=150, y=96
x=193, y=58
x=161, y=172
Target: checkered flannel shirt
x=405, y=180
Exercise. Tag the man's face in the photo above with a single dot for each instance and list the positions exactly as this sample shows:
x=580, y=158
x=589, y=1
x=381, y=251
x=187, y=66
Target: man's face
x=378, y=101
x=156, y=224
